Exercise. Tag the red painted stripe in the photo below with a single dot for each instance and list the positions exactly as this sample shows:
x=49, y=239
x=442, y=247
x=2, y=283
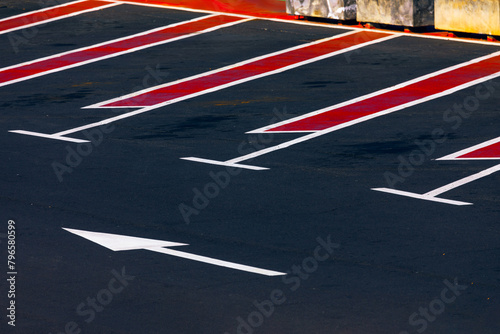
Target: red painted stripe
x=258, y=8
x=49, y=13
x=490, y=151
x=93, y=53
x=394, y=98
x=246, y=71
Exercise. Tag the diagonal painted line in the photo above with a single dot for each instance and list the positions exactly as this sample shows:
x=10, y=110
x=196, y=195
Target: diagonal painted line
x=44, y=135
x=281, y=16
x=431, y=195
x=215, y=262
x=247, y=70
x=419, y=90
x=488, y=68
x=249, y=8
x=222, y=78
x=421, y=196
x=488, y=150
x=114, y=48
x=463, y=181
x=215, y=162
x=50, y=14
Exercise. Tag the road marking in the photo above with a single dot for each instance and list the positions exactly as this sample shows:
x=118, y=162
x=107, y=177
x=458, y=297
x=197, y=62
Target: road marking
x=50, y=14
x=292, y=20
x=245, y=71
x=117, y=242
x=421, y=196
x=431, y=195
x=489, y=150
x=215, y=162
x=185, y=89
x=361, y=108
x=114, y=48
x=405, y=34
x=416, y=91
x=54, y=136
x=247, y=8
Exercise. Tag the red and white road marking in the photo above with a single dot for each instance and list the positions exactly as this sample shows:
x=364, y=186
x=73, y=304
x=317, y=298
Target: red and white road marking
x=226, y=77
x=247, y=70
x=50, y=14
x=395, y=98
x=274, y=9
x=114, y=48
x=316, y=123
x=489, y=150
x=386, y=101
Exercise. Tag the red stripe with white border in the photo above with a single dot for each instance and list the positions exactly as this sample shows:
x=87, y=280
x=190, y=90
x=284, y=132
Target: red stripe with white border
x=419, y=89
x=46, y=15
x=489, y=150
x=314, y=134
x=79, y=57
x=247, y=70
x=62, y=135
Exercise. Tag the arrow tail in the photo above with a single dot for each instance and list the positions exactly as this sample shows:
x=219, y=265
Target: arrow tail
x=216, y=262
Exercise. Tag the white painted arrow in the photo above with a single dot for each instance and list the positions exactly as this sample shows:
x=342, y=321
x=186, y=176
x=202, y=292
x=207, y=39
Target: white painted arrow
x=117, y=242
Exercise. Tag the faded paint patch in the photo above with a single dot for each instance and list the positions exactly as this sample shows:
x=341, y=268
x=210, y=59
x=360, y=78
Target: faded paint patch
x=84, y=84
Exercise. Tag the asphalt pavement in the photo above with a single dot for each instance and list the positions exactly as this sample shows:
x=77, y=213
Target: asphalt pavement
x=346, y=258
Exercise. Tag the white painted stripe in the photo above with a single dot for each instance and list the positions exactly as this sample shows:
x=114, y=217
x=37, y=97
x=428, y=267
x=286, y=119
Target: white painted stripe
x=463, y=181
x=40, y=10
x=466, y=159
x=275, y=148
x=145, y=46
x=104, y=122
x=478, y=159
x=245, y=62
x=54, y=18
x=390, y=89
x=216, y=262
x=420, y=196
x=222, y=163
x=44, y=135
x=455, y=155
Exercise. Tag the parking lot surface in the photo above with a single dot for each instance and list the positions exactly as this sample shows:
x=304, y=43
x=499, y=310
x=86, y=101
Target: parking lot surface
x=183, y=170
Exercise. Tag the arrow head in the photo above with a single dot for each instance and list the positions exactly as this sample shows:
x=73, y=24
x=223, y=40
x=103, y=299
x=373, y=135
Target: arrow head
x=117, y=242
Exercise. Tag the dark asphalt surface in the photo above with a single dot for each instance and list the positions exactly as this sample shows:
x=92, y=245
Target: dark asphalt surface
x=396, y=255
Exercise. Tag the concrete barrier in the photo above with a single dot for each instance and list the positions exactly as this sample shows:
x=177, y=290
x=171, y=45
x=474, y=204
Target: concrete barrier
x=472, y=16
x=408, y=13
x=332, y=9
